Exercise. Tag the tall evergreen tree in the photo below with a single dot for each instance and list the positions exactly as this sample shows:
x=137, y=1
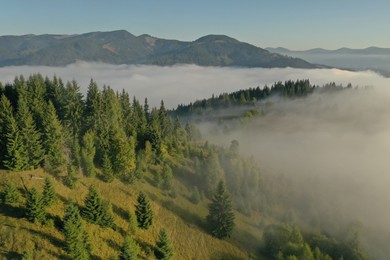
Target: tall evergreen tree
x=49, y=194
x=88, y=152
x=143, y=211
x=122, y=153
x=164, y=248
x=29, y=134
x=93, y=204
x=73, y=108
x=221, y=217
x=54, y=142
x=108, y=173
x=96, y=210
x=5, y=114
x=10, y=194
x=77, y=242
x=14, y=155
x=129, y=249
x=35, y=210
x=93, y=108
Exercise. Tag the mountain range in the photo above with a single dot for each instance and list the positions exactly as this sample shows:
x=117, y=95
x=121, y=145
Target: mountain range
x=122, y=47
x=372, y=58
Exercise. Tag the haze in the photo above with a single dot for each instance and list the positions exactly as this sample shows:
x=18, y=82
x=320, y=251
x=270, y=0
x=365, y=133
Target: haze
x=335, y=148
x=184, y=84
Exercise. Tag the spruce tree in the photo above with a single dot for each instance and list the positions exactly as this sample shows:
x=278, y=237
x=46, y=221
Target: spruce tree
x=221, y=217
x=164, y=248
x=88, y=152
x=143, y=211
x=77, y=244
x=108, y=173
x=96, y=210
x=93, y=204
x=5, y=114
x=49, y=194
x=106, y=218
x=10, y=194
x=129, y=249
x=71, y=179
x=35, y=211
x=54, y=142
x=15, y=156
x=30, y=136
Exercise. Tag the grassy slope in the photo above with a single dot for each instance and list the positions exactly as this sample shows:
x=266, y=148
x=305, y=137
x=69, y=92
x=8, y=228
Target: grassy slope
x=183, y=220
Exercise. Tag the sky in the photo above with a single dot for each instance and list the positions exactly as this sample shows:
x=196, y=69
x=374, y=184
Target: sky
x=294, y=24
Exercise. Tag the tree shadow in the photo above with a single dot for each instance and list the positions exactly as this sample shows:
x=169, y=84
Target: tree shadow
x=12, y=255
x=247, y=240
x=53, y=240
x=225, y=256
x=120, y=212
x=111, y=243
x=184, y=214
x=146, y=247
x=11, y=211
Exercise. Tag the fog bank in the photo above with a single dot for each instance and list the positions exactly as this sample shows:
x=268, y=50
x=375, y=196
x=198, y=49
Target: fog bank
x=186, y=83
x=335, y=148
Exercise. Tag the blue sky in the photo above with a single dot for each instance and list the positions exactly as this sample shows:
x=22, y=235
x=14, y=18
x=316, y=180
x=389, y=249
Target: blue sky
x=295, y=24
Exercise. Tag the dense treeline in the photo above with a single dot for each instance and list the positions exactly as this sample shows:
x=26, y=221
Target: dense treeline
x=46, y=123
x=290, y=89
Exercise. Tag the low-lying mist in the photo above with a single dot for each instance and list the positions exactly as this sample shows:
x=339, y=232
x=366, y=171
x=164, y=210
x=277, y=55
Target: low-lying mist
x=186, y=83
x=335, y=148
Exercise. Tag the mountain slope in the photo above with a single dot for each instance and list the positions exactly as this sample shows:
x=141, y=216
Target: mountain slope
x=372, y=58
x=121, y=47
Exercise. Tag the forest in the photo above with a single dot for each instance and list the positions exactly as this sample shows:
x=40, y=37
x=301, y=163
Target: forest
x=101, y=175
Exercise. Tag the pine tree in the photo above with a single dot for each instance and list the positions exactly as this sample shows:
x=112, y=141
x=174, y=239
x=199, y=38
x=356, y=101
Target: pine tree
x=54, y=142
x=129, y=249
x=11, y=194
x=105, y=218
x=122, y=153
x=5, y=114
x=108, y=173
x=96, y=210
x=221, y=217
x=143, y=211
x=71, y=179
x=35, y=211
x=164, y=249
x=49, y=194
x=93, y=204
x=14, y=157
x=30, y=136
x=76, y=238
x=88, y=152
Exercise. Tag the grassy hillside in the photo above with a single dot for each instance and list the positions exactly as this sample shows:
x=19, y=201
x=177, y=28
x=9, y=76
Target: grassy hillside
x=183, y=220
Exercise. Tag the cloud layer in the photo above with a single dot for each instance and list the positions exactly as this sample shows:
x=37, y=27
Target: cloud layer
x=186, y=83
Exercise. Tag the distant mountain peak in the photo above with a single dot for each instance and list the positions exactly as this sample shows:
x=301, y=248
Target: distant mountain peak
x=216, y=38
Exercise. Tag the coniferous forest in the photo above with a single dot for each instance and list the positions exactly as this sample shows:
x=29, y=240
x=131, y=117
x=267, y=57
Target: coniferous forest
x=103, y=175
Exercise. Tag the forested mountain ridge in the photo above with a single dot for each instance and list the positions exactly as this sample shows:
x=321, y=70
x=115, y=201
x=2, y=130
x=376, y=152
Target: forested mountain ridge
x=106, y=176
x=121, y=47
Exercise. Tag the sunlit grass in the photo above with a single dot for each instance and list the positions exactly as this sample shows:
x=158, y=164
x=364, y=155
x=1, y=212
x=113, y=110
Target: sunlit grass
x=183, y=220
